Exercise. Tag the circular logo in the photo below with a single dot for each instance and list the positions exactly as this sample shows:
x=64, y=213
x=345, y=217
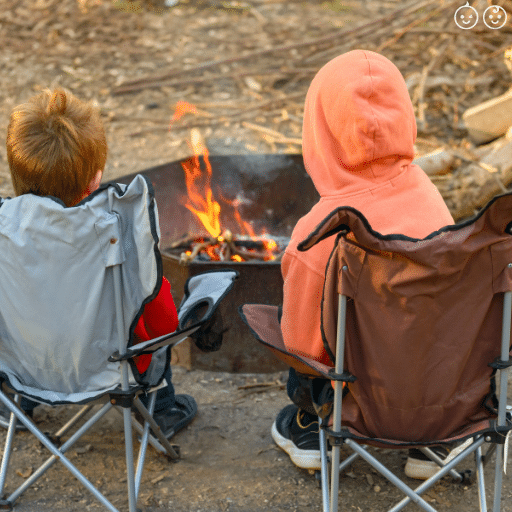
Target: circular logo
x=495, y=17
x=466, y=17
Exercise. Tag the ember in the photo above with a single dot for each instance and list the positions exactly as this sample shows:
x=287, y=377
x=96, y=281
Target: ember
x=221, y=245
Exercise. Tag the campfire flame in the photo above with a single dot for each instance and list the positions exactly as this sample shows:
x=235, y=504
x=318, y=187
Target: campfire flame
x=201, y=202
x=200, y=199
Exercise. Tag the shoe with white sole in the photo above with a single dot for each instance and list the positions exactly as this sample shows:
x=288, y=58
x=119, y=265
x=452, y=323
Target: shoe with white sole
x=420, y=467
x=297, y=433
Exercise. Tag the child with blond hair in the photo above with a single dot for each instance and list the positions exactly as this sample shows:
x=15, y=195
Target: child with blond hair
x=56, y=146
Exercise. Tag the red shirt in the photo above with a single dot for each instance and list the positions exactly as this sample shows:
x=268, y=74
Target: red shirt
x=159, y=317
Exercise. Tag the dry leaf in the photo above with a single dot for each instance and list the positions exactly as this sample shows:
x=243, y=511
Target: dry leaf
x=26, y=473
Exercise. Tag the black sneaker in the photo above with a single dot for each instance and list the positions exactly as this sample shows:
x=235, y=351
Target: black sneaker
x=5, y=418
x=297, y=433
x=175, y=419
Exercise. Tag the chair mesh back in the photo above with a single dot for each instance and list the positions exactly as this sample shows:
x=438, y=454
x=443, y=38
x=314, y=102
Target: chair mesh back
x=57, y=326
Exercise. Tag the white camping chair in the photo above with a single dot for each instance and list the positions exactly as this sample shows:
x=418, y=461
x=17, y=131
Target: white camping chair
x=73, y=284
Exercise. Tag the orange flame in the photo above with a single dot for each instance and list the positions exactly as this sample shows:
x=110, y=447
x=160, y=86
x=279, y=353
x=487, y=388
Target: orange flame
x=200, y=199
x=182, y=108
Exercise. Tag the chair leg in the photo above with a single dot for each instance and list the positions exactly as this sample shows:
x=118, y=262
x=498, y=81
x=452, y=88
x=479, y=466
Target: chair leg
x=144, y=445
x=324, y=472
x=130, y=474
x=435, y=458
x=156, y=429
x=58, y=454
x=346, y=462
x=412, y=495
x=480, y=478
x=8, y=446
x=498, y=478
x=78, y=416
x=432, y=480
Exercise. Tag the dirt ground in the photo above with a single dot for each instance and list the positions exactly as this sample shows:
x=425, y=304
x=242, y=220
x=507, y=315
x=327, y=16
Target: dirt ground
x=228, y=463
x=97, y=47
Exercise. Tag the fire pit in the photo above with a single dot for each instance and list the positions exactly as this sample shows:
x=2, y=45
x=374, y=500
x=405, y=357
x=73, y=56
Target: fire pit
x=271, y=193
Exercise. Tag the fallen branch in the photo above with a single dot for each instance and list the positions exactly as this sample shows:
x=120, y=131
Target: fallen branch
x=272, y=136
x=263, y=390
x=260, y=106
x=260, y=385
x=412, y=25
x=360, y=30
x=420, y=95
x=123, y=89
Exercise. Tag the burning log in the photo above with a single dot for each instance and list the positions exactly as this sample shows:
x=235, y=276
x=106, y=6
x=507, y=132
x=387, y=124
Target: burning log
x=228, y=247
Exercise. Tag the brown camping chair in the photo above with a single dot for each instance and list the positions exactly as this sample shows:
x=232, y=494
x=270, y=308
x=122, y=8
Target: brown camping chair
x=418, y=330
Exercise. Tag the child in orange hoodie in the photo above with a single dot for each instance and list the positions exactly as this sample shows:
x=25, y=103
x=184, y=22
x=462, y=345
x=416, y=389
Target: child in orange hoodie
x=359, y=131
x=56, y=146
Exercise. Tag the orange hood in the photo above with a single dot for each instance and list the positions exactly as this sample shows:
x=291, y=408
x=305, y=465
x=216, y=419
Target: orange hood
x=359, y=126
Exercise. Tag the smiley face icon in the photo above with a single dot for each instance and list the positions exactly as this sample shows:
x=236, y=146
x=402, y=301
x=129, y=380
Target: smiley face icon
x=495, y=17
x=466, y=17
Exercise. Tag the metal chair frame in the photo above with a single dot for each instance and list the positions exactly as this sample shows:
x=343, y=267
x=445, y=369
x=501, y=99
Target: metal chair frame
x=129, y=396
x=330, y=498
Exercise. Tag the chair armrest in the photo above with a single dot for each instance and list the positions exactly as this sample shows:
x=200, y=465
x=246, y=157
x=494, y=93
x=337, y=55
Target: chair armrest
x=147, y=347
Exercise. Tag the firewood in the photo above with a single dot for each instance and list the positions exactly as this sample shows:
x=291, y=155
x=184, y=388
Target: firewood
x=250, y=255
x=185, y=258
x=440, y=161
x=488, y=183
x=184, y=241
x=490, y=119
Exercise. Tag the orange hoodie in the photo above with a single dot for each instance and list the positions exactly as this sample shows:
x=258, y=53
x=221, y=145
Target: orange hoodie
x=358, y=144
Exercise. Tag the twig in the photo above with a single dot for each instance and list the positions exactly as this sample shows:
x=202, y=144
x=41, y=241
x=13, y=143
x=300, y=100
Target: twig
x=421, y=86
x=260, y=385
x=264, y=390
x=415, y=23
x=212, y=78
x=263, y=105
x=328, y=39
x=273, y=135
x=282, y=140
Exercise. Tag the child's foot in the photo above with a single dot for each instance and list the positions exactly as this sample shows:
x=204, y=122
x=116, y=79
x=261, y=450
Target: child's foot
x=178, y=417
x=420, y=467
x=297, y=433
